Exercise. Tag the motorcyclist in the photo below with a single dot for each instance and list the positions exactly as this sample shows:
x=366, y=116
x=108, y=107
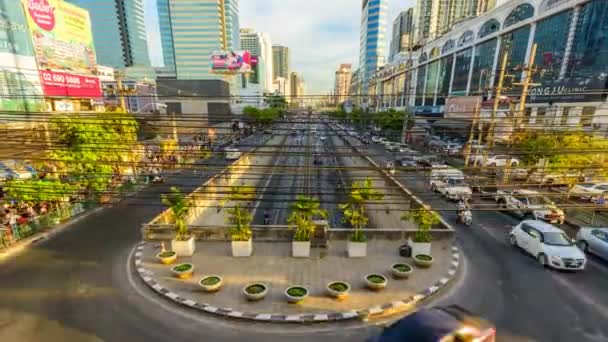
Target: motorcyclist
x=463, y=206
x=266, y=217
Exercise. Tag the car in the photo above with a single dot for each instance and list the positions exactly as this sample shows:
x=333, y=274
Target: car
x=548, y=244
x=544, y=178
x=451, y=323
x=593, y=240
x=406, y=162
x=323, y=138
x=501, y=160
x=317, y=162
x=589, y=191
x=519, y=174
x=376, y=139
x=529, y=203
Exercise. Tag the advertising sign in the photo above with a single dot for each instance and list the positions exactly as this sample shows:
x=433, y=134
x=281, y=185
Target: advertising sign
x=461, y=106
x=590, y=89
x=233, y=62
x=63, y=45
x=20, y=88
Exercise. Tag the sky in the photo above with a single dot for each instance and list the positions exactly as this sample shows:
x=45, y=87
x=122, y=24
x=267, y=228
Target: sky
x=321, y=34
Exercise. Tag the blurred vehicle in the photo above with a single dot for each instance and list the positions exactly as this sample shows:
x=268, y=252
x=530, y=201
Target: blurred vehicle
x=501, y=160
x=589, y=191
x=407, y=162
x=232, y=153
x=452, y=149
x=530, y=204
x=376, y=139
x=548, y=244
x=519, y=174
x=440, y=324
x=450, y=182
x=267, y=131
x=323, y=138
x=391, y=146
x=15, y=170
x=593, y=240
x=429, y=161
x=543, y=178
x=317, y=162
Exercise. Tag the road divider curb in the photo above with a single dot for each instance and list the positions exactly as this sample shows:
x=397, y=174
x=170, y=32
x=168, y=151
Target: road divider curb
x=383, y=310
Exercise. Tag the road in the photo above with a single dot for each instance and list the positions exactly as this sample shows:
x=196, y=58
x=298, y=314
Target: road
x=507, y=286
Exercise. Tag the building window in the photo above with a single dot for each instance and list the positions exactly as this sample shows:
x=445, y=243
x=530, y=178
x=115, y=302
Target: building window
x=435, y=52
x=587, y=116
x=461, y=70
x=423, y=57
x=420, y=85
x=520, y=13
x=516, y=42
x=551, y=36
x=590, y=49
x=489, y=27
x=466, y=38
x=445, y=73
x=482, y=66
x=565, y=113
x=431, y=81
x=449, y=45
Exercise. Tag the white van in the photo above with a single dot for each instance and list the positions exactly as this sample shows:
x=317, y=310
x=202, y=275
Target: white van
x=450, y=182
x=232, y=153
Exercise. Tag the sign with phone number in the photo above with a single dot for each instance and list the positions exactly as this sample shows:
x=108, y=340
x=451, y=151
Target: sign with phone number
x=63, y=84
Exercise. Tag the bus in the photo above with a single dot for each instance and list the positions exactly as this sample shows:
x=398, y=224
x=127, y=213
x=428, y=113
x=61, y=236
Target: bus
x=232, y=153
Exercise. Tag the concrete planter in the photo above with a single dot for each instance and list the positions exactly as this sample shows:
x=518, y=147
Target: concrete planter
x=183, y=271
x=401, y=270
x=300, y=249
x=241, y=249
x=255, y=291
x=420, y=248
x=423, y=260
x=338, y=289
x=296, y=294
x=211, y=283
x=166, y=258
x=183, y=248
x=357, y=249
x=373, y=284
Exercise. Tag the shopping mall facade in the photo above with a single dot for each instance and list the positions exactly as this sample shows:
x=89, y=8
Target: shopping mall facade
x=571, y=60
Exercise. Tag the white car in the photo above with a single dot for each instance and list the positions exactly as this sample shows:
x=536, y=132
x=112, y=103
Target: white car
x=588, y=191
x=548, y=244
x=376, y=139
x=501, y=160
x=593, y=240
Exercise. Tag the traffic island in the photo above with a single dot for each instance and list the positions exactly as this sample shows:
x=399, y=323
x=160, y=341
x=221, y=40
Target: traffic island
x=273, y=266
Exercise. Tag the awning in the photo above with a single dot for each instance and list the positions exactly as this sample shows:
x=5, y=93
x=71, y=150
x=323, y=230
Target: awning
x=453, y=124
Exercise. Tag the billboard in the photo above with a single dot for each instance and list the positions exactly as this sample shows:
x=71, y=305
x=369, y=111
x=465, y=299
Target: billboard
x=461, y=106
x=63, y=46
x=20, y=88
x=233, y=62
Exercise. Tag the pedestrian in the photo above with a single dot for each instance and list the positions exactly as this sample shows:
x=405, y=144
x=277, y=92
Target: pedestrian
x=266, y=217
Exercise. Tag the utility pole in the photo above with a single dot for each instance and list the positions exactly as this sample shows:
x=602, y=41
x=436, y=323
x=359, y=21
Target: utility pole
x=471, y=139
x=529, y=70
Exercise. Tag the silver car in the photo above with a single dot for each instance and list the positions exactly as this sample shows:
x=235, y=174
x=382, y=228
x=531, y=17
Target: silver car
x=593, y=240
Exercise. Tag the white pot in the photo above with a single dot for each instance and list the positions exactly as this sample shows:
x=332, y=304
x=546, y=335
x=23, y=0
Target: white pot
x=357, y=249
x=242, y=248
x=183, y=248
x=300, y=249
x=420, y=248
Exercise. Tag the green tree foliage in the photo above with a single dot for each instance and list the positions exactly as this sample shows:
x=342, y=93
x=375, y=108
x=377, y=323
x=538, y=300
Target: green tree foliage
x=276, y=101
x=354, y=211
x=34, y=190
x=391, y=120
x=180, y=207
x=303, y=211
x=262, y=117
x=425, y=219
x=239, y=217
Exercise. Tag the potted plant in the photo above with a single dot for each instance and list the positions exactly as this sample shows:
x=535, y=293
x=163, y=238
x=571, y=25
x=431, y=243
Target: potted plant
x=240, y=219
x=338, y=289
x=166, y=257
x=296, y=294
x=183, y=243
x=303, y=212
x=375, y=281
x=425, y=219
x=423, y=260
x=354, y=214
x=183, y=271
x=211, y=283
x=255, y=291
x=401, y=270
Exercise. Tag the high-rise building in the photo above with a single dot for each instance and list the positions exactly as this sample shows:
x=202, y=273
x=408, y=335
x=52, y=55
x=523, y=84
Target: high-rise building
x=166, y=35
x=372, y=37
x=296, y=84
x=198, y=27
x=119, y=32
x=342, y=83
x=280, y=61
x=403, y=27
x=258, y=43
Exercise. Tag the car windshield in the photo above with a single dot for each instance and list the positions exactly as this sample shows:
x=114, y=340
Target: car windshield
x=539, y=200
x=557, y=239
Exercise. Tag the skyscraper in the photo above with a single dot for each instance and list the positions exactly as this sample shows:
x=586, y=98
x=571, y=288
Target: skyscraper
x=280, y=61
x=296, y=84
x=258, y=43
x=403, y=27
x=119, y=31
x=372, y=37
x=342, y=83
x=166, y=35
x=198, y=27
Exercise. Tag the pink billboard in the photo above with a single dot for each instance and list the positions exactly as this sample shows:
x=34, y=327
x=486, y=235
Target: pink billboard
x=233, y=62
x=64, y=84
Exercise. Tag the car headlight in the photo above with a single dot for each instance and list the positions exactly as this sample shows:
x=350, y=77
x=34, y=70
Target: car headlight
x=556, y=259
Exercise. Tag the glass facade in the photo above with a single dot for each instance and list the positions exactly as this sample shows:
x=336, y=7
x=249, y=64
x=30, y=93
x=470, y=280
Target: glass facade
x=589, y=56
x=482, y=66
x=461, y=70
x=489, y=27
x=420, y=78
x=520, y=13
x=445, y=73
x=516, y=43
x=431, y=82
x=551, y=36
x=166, y=34
x=372, y=37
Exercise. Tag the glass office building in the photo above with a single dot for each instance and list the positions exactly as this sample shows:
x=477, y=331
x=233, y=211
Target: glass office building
x=372, y=37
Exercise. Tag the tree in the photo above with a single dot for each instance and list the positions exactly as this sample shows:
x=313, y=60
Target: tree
x=391, y=121
x=180, y=207
x=303, y=212
x=238, y=217
x=425, y=219
x=360, y=194
x=52, y=191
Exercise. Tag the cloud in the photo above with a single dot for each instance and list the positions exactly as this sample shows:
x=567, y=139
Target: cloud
x=320, y=33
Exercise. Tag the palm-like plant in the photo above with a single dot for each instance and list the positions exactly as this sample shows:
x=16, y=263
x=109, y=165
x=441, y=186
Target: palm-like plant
x=238, y=217
x=354, y=211
x=180, y=206
x=303, y=212
x=425, y=219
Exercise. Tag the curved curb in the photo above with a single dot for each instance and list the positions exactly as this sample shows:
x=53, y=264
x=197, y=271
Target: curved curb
x=380, y=310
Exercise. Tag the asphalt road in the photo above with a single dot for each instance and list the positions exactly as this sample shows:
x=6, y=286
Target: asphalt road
x=509, y=287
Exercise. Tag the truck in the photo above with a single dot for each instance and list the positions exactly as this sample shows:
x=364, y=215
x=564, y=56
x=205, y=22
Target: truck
x=450, y=182
x=530, y=204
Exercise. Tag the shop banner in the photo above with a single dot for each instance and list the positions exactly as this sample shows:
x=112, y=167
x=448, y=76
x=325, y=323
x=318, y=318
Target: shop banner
x=64, y=84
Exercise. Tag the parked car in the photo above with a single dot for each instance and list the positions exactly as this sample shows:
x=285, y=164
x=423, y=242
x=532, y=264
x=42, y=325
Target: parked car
x=544, y=178
x=519, y=174
x=450, y=183
x=589, y=191
x=593, y=240
x=451, y=323
x=407, y=162
x=548, y=244
x=501, y=160
x=530, y=204
x=376, y=139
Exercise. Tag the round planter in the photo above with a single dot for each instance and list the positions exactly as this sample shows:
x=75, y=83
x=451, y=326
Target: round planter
x=423, y=260
x=183, y=271
x=376, y=282
x=166, y=258
x=211, y=283
x=296, y=294
x=338, y=289
x=401, y=270
x=255, y=291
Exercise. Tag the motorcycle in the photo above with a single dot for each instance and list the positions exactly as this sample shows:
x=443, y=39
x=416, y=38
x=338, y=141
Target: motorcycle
x=157, y=180
x=465, y=217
